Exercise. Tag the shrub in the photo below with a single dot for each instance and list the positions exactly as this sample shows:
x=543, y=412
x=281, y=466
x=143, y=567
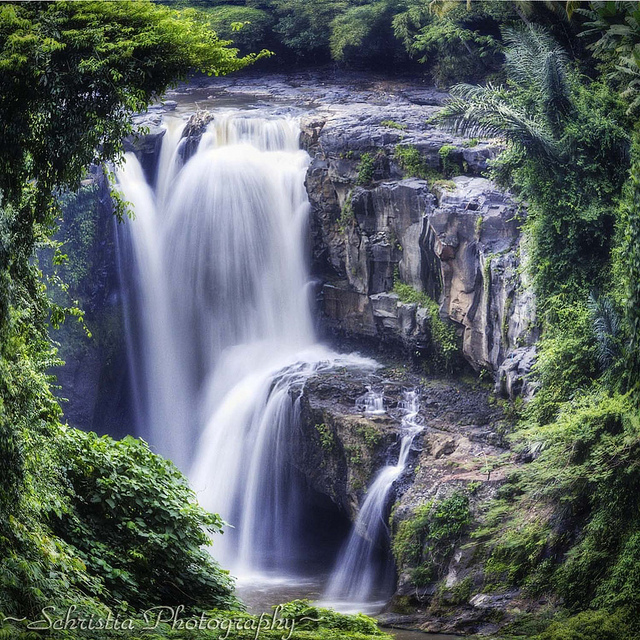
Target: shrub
x=135, y=524
x=366, y=169
x=589, y=625
x=411, y=162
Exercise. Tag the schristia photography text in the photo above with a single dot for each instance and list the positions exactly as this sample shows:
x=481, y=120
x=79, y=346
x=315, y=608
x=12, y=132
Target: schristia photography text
x=73, y=619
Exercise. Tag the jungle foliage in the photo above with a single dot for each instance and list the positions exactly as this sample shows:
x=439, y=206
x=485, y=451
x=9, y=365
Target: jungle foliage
x=567, y=521
x=449, y=41
x=72, y=75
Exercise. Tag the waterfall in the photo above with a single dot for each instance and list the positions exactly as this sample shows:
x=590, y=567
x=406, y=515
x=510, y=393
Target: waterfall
x=222, y=334
x=371, y=403
x=357, y=577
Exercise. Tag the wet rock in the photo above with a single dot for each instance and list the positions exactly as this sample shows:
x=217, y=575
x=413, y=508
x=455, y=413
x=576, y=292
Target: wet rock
x=147, y=145
x=458, y=241
x=192, y=133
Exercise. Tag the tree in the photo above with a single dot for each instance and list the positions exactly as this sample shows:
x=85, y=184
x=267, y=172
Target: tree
x=71, y=75
x=567, y=156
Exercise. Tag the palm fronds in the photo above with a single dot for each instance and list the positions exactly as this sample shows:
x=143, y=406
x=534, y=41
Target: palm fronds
x=475, y=111
x=535, y=63
x=607, y=328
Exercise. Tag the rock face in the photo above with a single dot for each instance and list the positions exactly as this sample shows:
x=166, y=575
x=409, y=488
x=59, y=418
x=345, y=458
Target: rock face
x=94, y=384
x=456, y=240
x=459, y=452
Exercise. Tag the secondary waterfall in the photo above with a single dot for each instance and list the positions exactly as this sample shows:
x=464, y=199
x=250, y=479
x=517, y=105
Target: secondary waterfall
x=222, y=335
x=357, y=577
x=371, y=403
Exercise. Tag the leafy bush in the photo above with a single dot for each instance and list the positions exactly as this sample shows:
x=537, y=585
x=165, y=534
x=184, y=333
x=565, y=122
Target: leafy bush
x=425, y=540
x=583, y=472
x=366, y=169
x=411, y=162
x=567, y=357
x=306, y=622
x=136, y=524
x=567, y=157
x=53, y=129
x=589, y=625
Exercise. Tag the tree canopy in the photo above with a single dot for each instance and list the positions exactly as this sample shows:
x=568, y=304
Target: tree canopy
x=72, y=74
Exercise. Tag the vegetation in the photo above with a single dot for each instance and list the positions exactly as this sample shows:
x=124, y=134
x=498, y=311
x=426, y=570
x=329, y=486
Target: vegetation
x=449, y=41
x=449, y=165
x=425, y=540
x=325, y=434
x=72, y=76
x=411, y=162
x=366, y=169
x=392, y=124
x=305, y=622
x=567, y=522
x=445, y=351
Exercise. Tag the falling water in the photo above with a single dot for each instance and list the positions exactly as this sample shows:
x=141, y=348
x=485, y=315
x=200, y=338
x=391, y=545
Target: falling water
x=358, y=577
x=371, y=403
x=218, y=302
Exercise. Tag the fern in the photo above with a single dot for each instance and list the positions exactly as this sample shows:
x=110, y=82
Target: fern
x=607, y=329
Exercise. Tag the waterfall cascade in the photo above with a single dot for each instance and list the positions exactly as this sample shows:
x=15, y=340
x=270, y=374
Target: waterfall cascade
x=371, y=402
x=357, y=578
x=222, y=335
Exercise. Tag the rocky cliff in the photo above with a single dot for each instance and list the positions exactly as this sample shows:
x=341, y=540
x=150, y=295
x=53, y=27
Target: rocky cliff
x=459, y=459
x=455, y=238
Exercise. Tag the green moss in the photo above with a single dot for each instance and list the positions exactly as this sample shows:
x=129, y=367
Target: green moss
x=447, y=185
x=369, y=434
x=506, y=315
x=366, y=169
x=447, y=162
x=327, y=438
x=393, y=125
x=443, y=335
x=461, y=592
x=346, y=214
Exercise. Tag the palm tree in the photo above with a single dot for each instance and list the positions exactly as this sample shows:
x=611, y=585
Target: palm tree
x=536, y=65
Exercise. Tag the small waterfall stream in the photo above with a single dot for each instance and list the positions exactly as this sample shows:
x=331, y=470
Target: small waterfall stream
x=371, y=403
x=221, y=333
x=357, y=578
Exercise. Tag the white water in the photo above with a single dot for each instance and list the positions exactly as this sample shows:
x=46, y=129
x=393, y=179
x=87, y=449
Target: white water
x=223, y=336
x=371, y=403
x=357, y=579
